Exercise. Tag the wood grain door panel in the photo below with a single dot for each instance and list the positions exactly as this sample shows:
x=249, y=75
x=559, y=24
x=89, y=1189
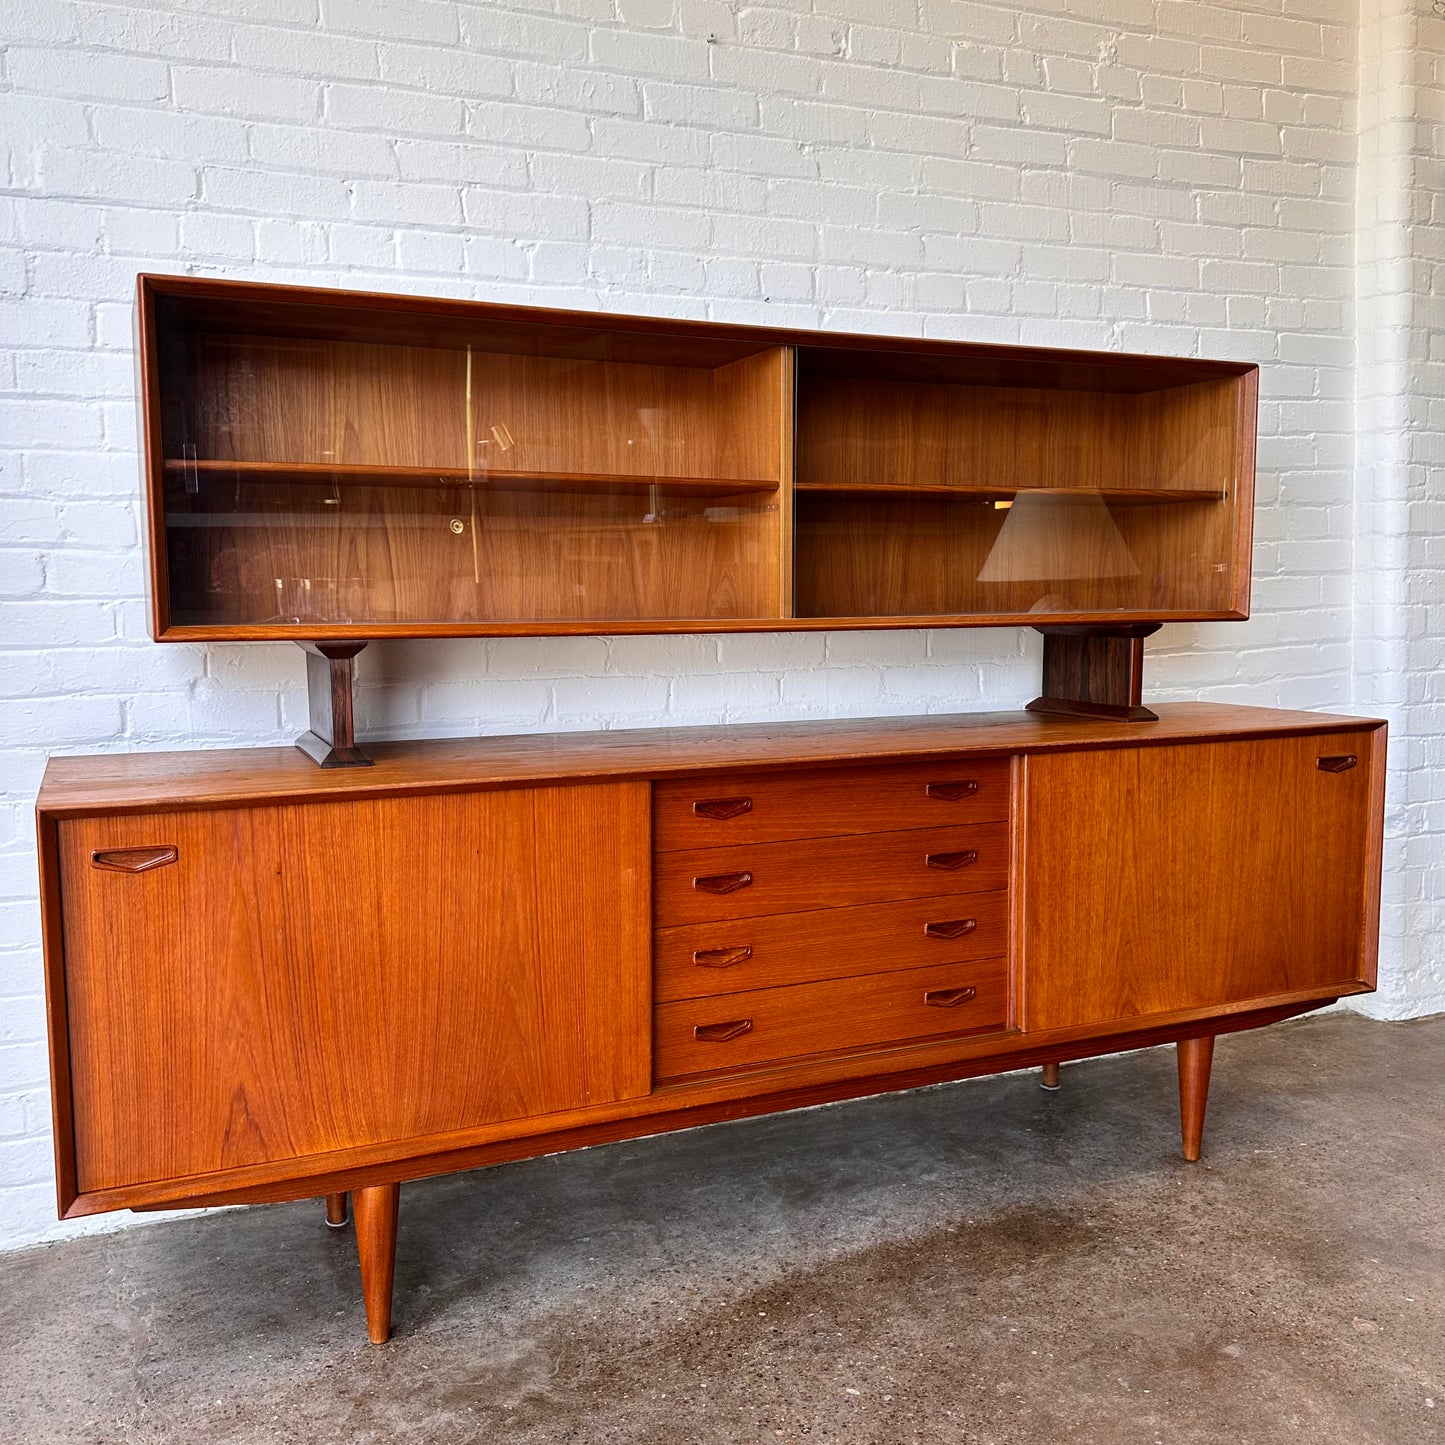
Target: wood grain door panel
x=313, y=977
x=1169, y=878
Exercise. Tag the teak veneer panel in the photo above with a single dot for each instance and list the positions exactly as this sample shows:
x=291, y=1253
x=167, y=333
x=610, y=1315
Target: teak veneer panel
x=274, y=399
x=1192, y=877
x=930, y=434
x=316, y=977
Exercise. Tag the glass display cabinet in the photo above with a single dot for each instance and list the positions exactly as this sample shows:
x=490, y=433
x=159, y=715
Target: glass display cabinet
x=336, y=467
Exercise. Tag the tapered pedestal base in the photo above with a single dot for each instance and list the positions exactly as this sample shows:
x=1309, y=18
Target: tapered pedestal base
x=330, y=675
x=1095, y=672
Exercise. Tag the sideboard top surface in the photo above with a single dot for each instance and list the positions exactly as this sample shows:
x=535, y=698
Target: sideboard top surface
x=217, y=778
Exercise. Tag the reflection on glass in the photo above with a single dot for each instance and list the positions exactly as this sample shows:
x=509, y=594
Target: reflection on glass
x=328, y=481
x=283, y=553
x=1049, y=538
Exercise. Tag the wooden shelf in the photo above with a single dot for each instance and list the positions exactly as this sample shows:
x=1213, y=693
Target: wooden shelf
x=329, y=473
x=978, y=492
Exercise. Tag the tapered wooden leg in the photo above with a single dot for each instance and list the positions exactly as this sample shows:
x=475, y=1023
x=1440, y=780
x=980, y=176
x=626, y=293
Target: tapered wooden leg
x=1050, y=1079
x=1195, y=1057
x=336, y=1211
x=375, y=1212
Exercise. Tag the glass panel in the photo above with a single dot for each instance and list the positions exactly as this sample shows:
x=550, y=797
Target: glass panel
x=932, y=499
x=334, y=481
x=1035, y=552
x=244, y=550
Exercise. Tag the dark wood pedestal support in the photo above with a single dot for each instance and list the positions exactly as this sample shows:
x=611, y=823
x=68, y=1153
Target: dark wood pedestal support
x=330, y=675
x=375, y=1211
x=1095, y=672
x=337, y=1215
x=1195, y=1058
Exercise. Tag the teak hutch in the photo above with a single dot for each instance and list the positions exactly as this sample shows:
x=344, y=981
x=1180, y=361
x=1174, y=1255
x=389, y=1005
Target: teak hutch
x=270, y=980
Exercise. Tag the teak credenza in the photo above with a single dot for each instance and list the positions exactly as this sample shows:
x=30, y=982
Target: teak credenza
x=269, y=981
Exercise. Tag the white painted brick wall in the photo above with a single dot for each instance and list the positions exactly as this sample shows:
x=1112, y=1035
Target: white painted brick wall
x=1154, y=175
x=1399, y=658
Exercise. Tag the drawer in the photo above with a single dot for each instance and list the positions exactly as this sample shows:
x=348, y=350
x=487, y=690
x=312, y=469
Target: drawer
x=879, y=798
x=704, y=959
x=704, y=885
x=765, y=1026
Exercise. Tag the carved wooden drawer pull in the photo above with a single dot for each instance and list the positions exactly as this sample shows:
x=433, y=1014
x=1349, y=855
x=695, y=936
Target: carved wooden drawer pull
x=1342, y=763
x=948, y=997
x=723, y=807
x=133, y=860
x=721, y=1033
x=722, y=957
x=722, y=882
x=953, y=860
x=952, y=792
x=950, y=927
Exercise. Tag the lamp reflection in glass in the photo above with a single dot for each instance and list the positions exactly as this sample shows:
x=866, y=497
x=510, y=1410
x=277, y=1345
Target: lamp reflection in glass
x=1057, y=537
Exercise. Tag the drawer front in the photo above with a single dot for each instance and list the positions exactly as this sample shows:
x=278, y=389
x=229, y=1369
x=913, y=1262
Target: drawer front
x=704, y=959
x=705, y=885
x=765, y=1026
x=773, y=807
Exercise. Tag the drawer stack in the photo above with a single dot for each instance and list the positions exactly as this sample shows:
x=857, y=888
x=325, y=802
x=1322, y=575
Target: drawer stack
x=822, y=912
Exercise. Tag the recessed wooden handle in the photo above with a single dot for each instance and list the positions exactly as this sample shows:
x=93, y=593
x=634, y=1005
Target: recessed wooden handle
x=1340, y=763
x=722, y=807
x=950, y=927
x=721, y=1033
x=948, y=997
x=722, y=882
x=953, y=860
x=722, y=957
x=134, y=860
x=952, y=792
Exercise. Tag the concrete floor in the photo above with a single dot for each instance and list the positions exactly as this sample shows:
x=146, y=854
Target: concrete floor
x=979, y=1263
